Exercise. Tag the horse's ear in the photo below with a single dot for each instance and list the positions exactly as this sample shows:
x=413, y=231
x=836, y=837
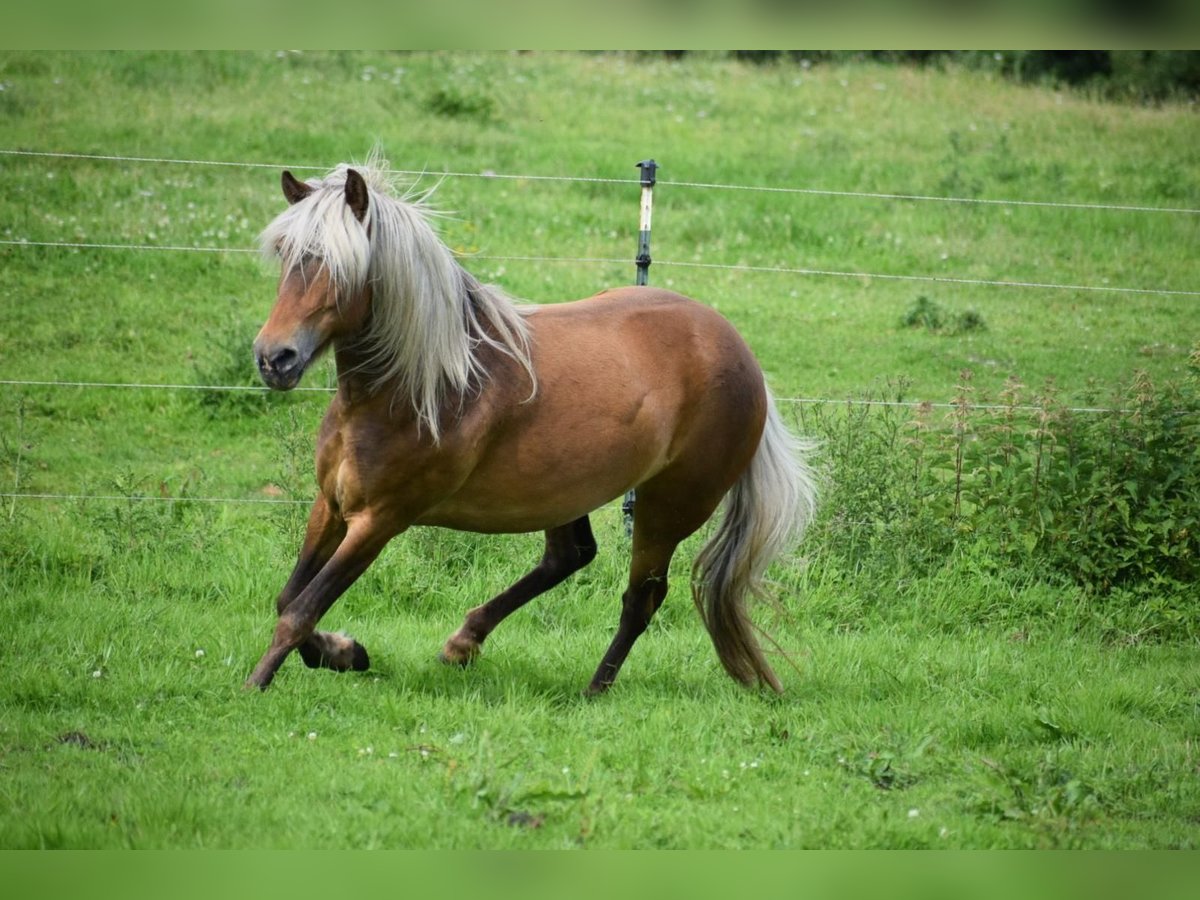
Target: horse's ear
x=356, y=194
x=294, y=190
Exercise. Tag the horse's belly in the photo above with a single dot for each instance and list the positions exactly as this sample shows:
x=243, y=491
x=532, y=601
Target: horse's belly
x=511, y=499
x=516, y=518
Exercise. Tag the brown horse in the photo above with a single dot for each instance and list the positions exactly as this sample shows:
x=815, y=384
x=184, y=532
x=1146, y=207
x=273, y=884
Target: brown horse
x=457, y=408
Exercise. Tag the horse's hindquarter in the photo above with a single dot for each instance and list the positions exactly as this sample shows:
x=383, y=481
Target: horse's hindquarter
x=630, y=382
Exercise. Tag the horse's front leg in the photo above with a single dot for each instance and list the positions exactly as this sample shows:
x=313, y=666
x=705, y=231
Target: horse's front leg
x=324, y=533
x=327, y=566
x=322, y=649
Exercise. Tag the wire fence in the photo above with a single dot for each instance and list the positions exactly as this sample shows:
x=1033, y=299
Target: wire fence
x=777, y=270
x=691, y=185
x=733, y=267
x=591, y=179
x=799, y=401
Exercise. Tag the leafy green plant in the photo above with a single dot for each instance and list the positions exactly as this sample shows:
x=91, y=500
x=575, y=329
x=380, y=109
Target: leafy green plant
x=884, y=511
x=934, y=318
x=1045, y=793
x=1105, y=499
x=293, y=478
x=461, y=102
x=1129, y=490
x=13, y=450
x=150, y=515
x=892, y=767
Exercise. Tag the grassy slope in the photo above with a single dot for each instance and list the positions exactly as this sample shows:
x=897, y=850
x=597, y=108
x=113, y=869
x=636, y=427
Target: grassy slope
x=998, y=712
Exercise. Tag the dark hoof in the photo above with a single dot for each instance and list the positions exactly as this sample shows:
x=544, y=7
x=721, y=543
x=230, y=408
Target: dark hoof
x=312, y=656
x=334, y=651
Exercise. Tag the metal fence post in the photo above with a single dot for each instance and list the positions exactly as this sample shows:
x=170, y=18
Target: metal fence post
x=648, y=167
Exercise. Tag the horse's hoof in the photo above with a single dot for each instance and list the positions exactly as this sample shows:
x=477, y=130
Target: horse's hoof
x=339, y=652
x=313, y=657
x=458, y=653
x=455, y=660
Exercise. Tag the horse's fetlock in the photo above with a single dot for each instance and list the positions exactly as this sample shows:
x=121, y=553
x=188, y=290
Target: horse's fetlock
x=292, y=631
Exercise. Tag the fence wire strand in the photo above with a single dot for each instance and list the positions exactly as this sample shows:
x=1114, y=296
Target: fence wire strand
x=611, y=506
x=152, y=498
x=734, y=267
x=876, y=195
x=589, y=179
x=252, y=388
x=798, y=401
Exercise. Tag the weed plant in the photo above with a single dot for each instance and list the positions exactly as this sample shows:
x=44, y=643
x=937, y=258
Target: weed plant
x=932, y=317
x=1105, y=498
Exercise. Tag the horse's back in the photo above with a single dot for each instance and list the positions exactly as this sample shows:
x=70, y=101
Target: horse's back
x=650, y=334
x=617, y=307
x=662, y=343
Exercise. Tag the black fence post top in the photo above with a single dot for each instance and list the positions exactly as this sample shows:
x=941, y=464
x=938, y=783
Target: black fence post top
x=648, y=167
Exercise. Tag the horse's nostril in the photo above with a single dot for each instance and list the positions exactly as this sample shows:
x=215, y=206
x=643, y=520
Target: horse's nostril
x=285, y=359
x=280, y=362
x=283, y=362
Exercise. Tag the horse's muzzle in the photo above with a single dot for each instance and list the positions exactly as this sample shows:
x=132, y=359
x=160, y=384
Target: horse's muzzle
x=281, y=367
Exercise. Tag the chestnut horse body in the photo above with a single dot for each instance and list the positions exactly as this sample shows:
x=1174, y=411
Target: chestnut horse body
x=456, y=408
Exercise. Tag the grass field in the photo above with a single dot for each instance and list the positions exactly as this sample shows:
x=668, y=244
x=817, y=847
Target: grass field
x=961, y=703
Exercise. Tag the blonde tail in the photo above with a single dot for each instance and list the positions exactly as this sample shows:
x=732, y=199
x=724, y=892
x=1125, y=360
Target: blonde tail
x=766, y=513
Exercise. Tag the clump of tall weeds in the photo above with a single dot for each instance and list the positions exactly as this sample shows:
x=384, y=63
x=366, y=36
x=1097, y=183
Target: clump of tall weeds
x=1104, y=496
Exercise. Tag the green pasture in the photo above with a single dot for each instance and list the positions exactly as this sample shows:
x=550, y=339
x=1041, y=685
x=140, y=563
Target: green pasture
x=968, y=663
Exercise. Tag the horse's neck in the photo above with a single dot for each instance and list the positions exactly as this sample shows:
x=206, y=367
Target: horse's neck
x=357, y=383
x=358, y=374
x=354, y=377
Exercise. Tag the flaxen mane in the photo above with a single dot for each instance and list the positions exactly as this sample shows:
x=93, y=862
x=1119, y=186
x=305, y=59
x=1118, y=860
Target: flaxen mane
x=429, y=317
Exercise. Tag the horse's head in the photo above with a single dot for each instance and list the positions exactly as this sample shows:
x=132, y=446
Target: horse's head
x=323, y=242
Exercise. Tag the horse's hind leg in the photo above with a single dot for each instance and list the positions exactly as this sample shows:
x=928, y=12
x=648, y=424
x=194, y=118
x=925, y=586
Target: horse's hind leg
x=641, y=600
x=668, y=509
x=568, y=549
